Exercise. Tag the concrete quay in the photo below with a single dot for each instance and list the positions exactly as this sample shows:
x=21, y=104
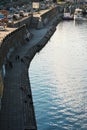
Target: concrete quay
x=17, y=110
x=25, y=20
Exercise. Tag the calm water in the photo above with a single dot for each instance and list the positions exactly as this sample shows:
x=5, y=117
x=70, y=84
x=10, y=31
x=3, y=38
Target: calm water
x=58, y=77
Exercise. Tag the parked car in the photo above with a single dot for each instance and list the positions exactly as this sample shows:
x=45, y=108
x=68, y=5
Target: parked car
x=23, y=14
x=3, y=18
x=2, y=28
x=42, y=6
x=16, y=17
x=10, y=16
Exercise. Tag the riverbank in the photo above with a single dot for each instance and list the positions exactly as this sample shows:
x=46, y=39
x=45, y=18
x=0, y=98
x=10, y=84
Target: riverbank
x=17, y=102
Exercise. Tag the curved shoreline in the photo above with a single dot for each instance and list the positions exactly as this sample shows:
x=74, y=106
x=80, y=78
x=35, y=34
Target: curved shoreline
x=20, y=82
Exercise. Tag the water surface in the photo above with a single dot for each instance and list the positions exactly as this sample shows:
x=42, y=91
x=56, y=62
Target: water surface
x=58, y=76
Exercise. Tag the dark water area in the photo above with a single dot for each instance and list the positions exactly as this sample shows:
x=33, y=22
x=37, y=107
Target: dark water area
x=58, y=76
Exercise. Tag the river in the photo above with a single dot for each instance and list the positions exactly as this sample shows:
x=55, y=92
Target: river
x=58, y=76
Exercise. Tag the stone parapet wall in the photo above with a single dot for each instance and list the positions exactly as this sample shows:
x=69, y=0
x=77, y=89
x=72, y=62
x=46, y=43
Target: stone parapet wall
x=34, y=22
x=50, y=14
x=12, y=40
x=46, y=17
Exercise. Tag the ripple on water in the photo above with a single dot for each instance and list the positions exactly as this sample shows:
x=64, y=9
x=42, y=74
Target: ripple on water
x=58, y=76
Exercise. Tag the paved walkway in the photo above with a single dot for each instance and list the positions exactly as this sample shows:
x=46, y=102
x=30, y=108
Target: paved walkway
x=17, y=111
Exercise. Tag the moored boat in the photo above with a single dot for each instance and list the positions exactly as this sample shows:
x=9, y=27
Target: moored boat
x=78, y=15
x=67, y=16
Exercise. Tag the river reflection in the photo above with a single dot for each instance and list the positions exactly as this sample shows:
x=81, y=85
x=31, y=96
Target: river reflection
x=58, y=76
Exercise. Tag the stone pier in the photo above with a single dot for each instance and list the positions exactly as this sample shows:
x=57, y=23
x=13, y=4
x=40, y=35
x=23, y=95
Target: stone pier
x=17, y=108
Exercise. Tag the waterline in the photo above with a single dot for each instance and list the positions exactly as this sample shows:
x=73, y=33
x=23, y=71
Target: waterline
x=58, y=76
